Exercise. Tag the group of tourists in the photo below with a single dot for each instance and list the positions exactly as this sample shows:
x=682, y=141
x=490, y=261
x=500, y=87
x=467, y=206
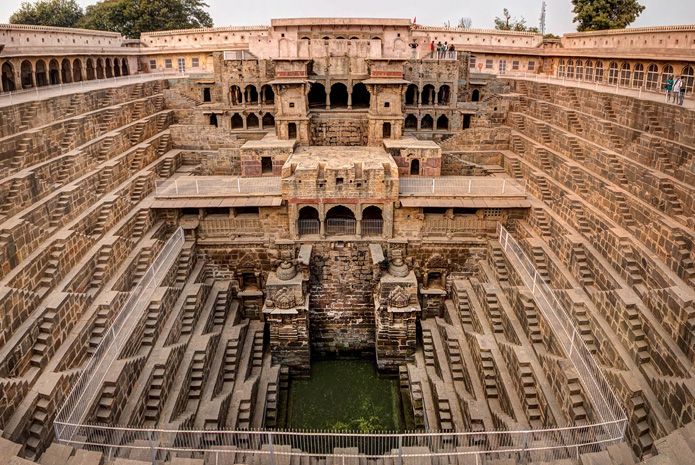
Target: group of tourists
x=443, y=50
x=675, y=89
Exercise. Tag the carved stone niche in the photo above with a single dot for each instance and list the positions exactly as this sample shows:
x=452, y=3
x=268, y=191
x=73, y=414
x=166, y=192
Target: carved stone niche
x=286, y=310
x=396, y=313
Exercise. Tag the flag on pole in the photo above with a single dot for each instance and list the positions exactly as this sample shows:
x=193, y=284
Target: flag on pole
x=415, y=20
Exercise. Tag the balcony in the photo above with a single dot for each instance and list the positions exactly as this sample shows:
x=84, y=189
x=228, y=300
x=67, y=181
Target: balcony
x=218, y=186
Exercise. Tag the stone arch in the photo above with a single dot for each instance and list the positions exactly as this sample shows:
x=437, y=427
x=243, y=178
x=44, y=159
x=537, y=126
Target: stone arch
x=268, y=120
x=372, y=221
x=41, y=74
x=109, y=68
x=411, y=121
x=100, y=68
x=579, y=70
x=625, y=74
x=235, y=95
x=8, y=84
x=666, y=73
x=124, y=67
x=570, y=69
x=411, y=94
x=415, y=167
x=444, y=95
x=26, y=71
x=652, y=77
x=53, y=72
x=248, y=271
x=561, y=68
x=77, y=70
x=284, y=48
x=66, y=71
x=598, y=72
x=251, y=94
x=237, y=121
x=443, y=123
x=475, y=95
x=638, y=75
x=427, y=95
x=339, y=95
x=90, y=69
x=589, y=71
x=252, y=121
x=360, y=96
x=688, y=78
x=613, y=73
x=427, y=122
x=340, y=220
x=317, y=95
x=308, y=221
x=267, y=94
x=116, y=68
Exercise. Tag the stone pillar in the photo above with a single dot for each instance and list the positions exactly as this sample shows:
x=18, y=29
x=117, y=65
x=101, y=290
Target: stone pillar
x=350, y=100
x=260, y=121
x=432, y=95
x=419, y=123
x=294, y=218
x=243, y=96
x=358, y=217
x=243, y=122
x=322, y=220
x=328, y=100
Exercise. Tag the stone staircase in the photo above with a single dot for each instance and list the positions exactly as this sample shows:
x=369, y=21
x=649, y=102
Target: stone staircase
x=576, y=152
x=42, y=347
x=544, y=160
x=573, y=123
x=195, y=387
x=668, y=194
x=138, y=131
x=585, y=276
x=101, y=267
x=28, y=116
x=189, y=314
x=105, y=150
x=139, y=189
x=153, y=404
x=102, y=222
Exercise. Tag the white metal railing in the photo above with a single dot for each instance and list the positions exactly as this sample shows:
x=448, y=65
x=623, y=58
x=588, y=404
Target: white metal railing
x=461, y=185
x=218, y=186
x=604, y=85
x=548, y=444
x=51, y=90
x=446, y=226
x=372, y=226
x=308, y=226
x=215, y=228
x=88, y=385
x=605, y=404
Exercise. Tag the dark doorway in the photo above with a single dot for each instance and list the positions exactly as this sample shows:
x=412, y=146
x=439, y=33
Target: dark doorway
x=411, y=122
x=387, y=130
x=466, y=121
x=475, y=96
x=415, y=167
x=339, y=95
x=206, y=94
x=360, y=96
x=266, y=165
x=292, y=131
x=237, y=121
x=317, y=96
x=411, y=95
x=213, y=120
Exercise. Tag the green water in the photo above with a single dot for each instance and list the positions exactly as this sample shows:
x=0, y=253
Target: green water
x=345, y=395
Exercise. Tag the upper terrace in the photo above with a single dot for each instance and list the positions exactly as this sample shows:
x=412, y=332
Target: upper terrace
x=29, y=40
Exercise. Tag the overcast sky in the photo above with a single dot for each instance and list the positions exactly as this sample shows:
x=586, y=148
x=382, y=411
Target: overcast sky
x=558, y=15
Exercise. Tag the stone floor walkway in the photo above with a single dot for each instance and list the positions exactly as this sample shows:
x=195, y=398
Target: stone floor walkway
x=41, y=93
x=660, y=97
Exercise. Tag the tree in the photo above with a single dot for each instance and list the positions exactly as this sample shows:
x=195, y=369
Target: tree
x=59, y=13
x=510, y=24
x=550, y=36
x=132, y=17
x=595, y=15
x=465, y=23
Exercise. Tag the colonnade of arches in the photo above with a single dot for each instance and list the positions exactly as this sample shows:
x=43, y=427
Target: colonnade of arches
x=428, y=95
x=252, y=121
x=339, y=96
x=341, y=220
x=650, y=76
x=427, y=123
x=251, y=95
x=27, y=74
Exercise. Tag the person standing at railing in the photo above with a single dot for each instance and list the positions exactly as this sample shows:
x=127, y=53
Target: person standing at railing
x=432, y=49
x=439, y=49
x=452, y=51
x=414, y=45
x=682, y=93
x=669, y=88
x=677, y=87
x=445, y=47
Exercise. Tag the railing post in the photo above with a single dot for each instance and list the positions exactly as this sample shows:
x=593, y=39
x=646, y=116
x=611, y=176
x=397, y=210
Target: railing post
x=154, y=277
x=523, y=449
x=535, y=274
x=400, y=450
x=504, y=183
x=238, y=185
x=270, y=443
x=154, y=455
x=113, y=334
x=433, y=185
x=196, y=187
x=176, y=185
x=470, y=181
x=572, y=343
